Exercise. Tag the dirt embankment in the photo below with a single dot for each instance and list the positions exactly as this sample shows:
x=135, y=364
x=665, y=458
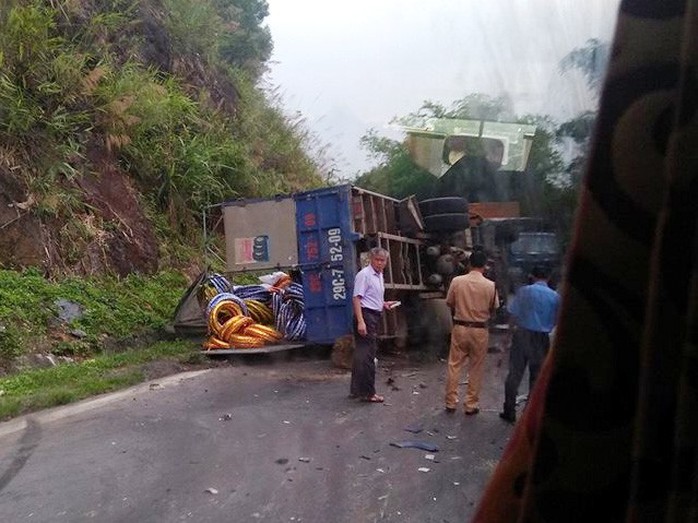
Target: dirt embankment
x=113, y=236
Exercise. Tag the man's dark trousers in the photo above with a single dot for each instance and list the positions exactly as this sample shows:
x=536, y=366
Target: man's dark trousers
x=527, y=347
x=363, y=369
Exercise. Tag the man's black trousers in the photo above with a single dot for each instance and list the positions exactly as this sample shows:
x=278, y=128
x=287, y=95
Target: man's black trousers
x=363, y=370
x=527, y=348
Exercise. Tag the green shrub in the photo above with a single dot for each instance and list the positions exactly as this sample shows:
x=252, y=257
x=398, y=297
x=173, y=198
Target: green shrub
x=112, y=307
x=194, y=27
x=11, y=343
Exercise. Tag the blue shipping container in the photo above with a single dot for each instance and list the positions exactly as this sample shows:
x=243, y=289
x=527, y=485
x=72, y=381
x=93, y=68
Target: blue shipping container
x=328, y=260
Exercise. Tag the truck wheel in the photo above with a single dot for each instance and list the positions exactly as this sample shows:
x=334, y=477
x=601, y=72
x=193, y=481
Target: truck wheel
x=446, y=222
x=445, y=205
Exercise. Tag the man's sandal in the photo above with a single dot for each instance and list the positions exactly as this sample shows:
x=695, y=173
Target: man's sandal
x=374, y=399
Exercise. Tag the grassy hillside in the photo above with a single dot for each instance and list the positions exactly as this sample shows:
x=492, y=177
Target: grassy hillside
x=121, y=119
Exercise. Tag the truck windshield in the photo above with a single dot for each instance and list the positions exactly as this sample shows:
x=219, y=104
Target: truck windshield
x=535, y=243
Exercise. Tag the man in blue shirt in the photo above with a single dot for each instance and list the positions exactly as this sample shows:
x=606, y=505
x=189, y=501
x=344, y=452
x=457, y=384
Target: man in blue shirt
x=534, y=313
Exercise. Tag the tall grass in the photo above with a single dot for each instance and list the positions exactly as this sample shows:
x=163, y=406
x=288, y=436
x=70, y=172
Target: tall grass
x=195, y=27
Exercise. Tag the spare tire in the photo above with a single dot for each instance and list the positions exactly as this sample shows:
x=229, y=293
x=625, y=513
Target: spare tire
x=446, y=222
x=445, y=205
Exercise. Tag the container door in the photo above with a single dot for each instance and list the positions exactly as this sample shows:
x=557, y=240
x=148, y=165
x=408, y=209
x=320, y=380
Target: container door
x=327, y=258
x=253, y=241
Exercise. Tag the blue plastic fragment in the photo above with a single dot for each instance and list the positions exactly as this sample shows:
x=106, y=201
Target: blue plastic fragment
x=416, y=444
x=415, y=428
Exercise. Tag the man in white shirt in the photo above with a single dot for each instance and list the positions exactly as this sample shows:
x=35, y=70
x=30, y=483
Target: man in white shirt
x=368, y=306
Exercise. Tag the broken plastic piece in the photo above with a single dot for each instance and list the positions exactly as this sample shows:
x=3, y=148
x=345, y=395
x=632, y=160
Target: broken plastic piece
x=416, y=444
x=415, y=428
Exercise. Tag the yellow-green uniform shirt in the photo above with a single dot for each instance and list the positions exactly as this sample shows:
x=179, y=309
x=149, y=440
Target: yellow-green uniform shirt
x=472, y=296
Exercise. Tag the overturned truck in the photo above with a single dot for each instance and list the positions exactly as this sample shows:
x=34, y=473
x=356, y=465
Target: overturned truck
x=321, y=239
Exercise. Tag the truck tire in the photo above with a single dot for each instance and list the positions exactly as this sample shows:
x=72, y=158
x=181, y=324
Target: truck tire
x=446, y=222
x=445, y=205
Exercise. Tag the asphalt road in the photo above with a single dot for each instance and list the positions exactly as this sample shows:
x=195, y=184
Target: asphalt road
x=271, y=441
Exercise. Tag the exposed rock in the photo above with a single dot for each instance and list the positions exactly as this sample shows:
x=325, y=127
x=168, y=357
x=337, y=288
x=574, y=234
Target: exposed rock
x=36, y=360
x=68, y=310
x=78, y=333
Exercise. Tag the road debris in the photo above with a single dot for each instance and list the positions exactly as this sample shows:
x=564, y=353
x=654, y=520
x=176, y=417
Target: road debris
x=415, y=428
x=416, y=444
x=391, y=382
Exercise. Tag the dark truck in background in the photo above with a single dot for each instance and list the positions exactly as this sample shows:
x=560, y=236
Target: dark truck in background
x=485, y=162
x=516, y=245
x=533, y=249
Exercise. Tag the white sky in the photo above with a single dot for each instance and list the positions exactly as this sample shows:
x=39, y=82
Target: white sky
x=350, y=66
